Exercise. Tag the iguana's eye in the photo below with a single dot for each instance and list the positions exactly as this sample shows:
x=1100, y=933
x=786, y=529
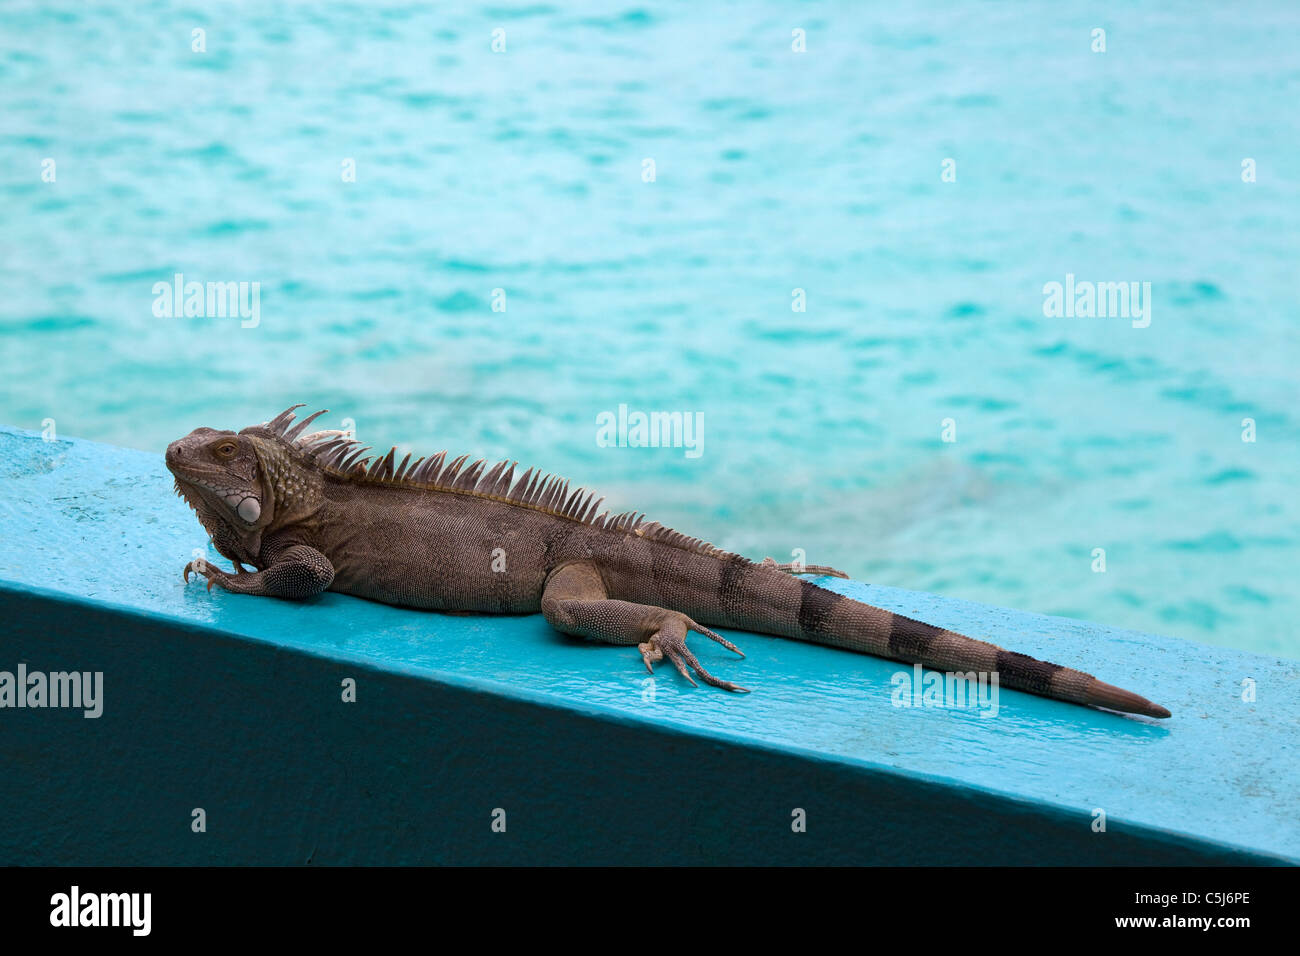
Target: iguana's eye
x=227, y=449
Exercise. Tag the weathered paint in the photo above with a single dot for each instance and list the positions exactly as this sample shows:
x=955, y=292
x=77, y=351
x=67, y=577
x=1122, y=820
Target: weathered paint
x=233, y=704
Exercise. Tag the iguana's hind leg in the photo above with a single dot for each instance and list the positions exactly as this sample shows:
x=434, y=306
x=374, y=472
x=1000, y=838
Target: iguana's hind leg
x=575, y=601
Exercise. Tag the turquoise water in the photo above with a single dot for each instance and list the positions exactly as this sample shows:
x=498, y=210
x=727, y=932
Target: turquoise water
x=822, y=430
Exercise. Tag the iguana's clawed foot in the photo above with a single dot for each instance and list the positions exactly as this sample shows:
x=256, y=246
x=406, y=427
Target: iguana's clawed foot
x=797, y=569
x=205, y=569
x=670, y=641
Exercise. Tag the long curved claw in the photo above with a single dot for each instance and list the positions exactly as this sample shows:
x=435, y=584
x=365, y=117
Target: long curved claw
x=680, y=664
x=206, y=570
x=650, y=653
x=706, y=676
x=717, y=637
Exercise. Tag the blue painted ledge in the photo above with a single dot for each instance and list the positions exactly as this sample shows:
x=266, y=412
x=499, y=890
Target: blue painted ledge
x=233, y=705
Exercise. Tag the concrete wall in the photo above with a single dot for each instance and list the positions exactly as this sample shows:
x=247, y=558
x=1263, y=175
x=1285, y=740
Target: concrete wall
x=234, y=705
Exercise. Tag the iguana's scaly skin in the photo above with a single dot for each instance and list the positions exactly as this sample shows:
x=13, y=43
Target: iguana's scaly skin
x=312, y=512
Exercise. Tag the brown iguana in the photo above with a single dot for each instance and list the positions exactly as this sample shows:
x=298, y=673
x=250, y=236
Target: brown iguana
x=314, y=512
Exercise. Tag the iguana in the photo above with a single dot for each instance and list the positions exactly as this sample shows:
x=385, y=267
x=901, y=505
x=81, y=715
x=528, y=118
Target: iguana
x=313, y=512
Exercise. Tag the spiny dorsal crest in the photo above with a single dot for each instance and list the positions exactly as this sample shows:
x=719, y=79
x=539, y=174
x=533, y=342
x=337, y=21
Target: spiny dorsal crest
x=336, y=453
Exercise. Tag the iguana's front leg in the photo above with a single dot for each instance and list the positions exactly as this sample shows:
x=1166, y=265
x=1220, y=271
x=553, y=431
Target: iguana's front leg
x=297, y=572
x=576, y=601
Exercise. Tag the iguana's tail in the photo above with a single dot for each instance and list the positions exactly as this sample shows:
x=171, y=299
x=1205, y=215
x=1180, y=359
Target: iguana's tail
x=825, y=617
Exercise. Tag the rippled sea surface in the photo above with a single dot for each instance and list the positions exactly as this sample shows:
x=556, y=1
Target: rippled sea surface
x=774, y=170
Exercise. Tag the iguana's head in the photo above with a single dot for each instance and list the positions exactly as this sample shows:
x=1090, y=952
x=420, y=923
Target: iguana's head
x=261, y=479
x=221, y=476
